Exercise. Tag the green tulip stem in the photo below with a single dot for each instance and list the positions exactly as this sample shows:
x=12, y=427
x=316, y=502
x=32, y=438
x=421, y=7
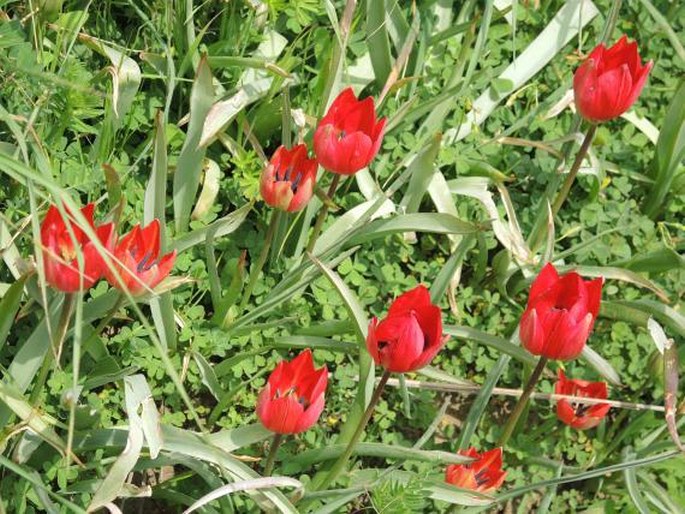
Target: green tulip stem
x=104, y=322
x=257, y=268
x=340, y=464
x=571, y=176
x=271, y=459
x=322, y=214
x=522, y=402
x=55, y=349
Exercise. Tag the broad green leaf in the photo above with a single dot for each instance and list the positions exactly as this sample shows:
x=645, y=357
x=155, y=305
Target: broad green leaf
x=9, y=305
x=187, y=175
x=306, y=459
x=220, y=228
x=236, y=438
x=377, y=40
x=498, y=343
x=657, y=261
x=670, y=151
x=208, y=376
x=433, y=222
x=423, y=169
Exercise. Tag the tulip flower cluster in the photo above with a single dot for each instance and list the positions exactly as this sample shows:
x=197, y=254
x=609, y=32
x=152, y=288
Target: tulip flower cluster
x=346, y=140
x=136, y=264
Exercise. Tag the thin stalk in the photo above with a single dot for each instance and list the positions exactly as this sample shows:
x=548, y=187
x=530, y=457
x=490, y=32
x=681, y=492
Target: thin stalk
x=271, y=459
x=256, y=270
x=54, y=351
x=523, y=401
x=322, y=214
x=340, y=464
x=104, y=322
x=571, y=176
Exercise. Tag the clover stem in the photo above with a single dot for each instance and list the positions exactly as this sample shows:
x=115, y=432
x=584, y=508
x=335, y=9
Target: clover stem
x=271, y=459
x=257, y=268
x=340, y=464
x=522, y=402
x=322, y=214
x=55, y=349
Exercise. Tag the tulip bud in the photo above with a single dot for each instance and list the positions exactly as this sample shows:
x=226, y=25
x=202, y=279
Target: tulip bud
x=293, y=398
x=609, y=81
x=560, y=314
x=348, y=137
x=581, y=415
x=287, y=182
x=483, y=475
x=410, y=336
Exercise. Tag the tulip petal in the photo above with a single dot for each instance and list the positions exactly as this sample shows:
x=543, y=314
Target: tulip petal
x=411, y=300
x=400, y=341
x=546, y=280
x=567, y=339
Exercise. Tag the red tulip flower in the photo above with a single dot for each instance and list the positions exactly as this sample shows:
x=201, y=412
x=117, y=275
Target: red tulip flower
x=581, y=416
x=348, y=136
x=411, y=334
x=609, y=81
x=60, y=250
x=560, y=314
x=138, y=263
x=483, y=475
x=288, y=180
x=293, y=398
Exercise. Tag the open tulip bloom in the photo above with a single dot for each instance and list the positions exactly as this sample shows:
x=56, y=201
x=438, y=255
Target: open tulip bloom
x=349, y=136
x=483, y=475
x=581, y=415
x=60, y=250
x=287, y=182
x=293, y=398
x=609, y=82
x=560, y=314
x=410, y=336
x=138, y=263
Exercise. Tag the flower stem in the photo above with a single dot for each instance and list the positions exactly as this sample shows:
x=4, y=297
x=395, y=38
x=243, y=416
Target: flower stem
x=104, y=321
x=55, y=349
x=322, y=214
x=571, y=177
x=271, y=459
x=537, y=233
x=522, y=402
x=340, y=464
x=257, y=268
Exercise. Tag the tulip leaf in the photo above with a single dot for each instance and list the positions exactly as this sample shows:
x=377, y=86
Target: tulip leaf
x=208, y=376
x=624, y=275
x=320, y=343
x=434, y=222
x=498, y=343
x=657, y=261
x=245, y=485
x=9, y=306
x=569, y=20
x=155, y=203
x=220, y=228
x=136, y=391
x=377, y=40
x=189, y=165
x=303, y=461
x=670, y=152
x=423, y=168
x=601, y=365
x=239, y=437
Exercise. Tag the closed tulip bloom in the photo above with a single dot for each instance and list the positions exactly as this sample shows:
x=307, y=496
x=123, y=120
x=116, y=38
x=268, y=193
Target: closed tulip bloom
x=410, y=336
x=580, y=415
x=60, y=250
x=288, y=180
x=138, y=263
x=348, y=137
x=483, y=475
x=609, y=81
x=560, y=314
x=293, y=398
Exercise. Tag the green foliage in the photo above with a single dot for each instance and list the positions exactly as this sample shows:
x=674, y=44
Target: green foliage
x=433, y=208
